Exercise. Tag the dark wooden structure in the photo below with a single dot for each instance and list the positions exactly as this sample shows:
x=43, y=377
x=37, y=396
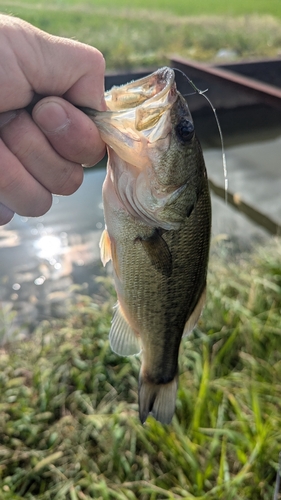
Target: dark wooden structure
x=236, y=84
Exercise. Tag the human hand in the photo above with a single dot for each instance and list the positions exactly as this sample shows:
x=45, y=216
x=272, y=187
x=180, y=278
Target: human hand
x=43, y=153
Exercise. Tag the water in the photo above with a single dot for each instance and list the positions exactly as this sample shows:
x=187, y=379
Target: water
x=254, y=173
x=43, y=258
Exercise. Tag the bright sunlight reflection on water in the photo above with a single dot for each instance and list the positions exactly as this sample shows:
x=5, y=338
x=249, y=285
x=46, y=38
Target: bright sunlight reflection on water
x=48, y=246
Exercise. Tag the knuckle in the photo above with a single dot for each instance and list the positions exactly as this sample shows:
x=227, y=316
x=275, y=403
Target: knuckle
x=37, y=206
x=97, y=59
x=70, y=180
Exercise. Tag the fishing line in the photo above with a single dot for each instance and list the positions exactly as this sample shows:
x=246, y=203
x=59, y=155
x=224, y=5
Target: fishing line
x=203, y=93
x=191, y=93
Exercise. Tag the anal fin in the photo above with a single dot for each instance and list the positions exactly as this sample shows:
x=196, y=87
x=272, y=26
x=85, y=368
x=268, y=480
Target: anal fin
x=122, y=338
x=195, y=315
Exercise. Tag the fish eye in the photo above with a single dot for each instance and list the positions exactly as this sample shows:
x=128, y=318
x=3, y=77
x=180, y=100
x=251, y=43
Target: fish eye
x=185, y=130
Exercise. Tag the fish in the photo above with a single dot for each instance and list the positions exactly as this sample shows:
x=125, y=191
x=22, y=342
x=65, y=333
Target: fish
x=157, y=214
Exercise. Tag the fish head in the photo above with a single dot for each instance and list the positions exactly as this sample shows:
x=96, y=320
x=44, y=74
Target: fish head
x=153, y=152
x=138, y=117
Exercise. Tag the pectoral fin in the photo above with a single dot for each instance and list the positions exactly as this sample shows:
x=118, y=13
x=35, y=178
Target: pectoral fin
x=105, y=247
x=158, y=252
x=122, y=338
x=108, y=251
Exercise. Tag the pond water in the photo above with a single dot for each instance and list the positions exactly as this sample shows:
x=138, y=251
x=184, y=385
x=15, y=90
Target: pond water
x=42, y=258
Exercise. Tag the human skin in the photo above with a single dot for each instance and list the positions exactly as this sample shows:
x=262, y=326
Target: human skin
x=42, y=153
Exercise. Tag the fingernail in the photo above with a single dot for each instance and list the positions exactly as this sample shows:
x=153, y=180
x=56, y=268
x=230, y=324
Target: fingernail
x=51, y=117
x=7, y=117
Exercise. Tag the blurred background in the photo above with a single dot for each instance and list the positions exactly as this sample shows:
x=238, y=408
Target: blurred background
x=69, y=427
x=44, y=261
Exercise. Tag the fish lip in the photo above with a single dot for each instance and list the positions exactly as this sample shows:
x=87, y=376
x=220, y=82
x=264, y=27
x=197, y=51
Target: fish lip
x=154, y=86
x=165, y=75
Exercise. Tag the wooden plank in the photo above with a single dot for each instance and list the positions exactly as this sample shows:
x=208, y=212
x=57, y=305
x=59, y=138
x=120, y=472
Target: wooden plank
x=235, y=200
x=121, y=78
x=226, y=88
x=264, y=70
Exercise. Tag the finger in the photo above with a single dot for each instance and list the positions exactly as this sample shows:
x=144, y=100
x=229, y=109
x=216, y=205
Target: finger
x=19, y=191
x=50, y=65
x=5, y=214
x=78, y=69
x=72, y=134
x=32, y=149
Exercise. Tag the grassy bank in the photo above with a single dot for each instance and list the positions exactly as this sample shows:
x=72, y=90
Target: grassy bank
x=176, y=7
x=132, y=35
x=68, y=406
x=69, y=427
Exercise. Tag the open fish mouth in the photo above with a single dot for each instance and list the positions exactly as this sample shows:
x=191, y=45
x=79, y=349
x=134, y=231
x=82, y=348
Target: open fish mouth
x=152, y=89
x=138, y=115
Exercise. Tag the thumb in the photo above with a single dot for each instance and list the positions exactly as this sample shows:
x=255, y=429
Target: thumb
x=70, y=132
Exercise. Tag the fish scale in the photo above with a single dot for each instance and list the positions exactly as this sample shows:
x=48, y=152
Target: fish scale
x=158, y=222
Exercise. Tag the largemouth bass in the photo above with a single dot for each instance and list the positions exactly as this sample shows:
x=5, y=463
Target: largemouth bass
x=158, y=220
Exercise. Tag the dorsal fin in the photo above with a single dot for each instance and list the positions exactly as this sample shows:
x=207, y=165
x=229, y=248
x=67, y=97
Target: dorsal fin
x=122, y=338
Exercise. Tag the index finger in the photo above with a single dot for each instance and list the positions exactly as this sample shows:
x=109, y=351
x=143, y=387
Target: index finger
x=48, y=65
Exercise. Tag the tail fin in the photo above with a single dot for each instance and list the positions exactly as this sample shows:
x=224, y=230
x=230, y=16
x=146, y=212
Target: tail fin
x=157, y=399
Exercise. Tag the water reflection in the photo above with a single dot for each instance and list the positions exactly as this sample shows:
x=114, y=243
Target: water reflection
x=8, y=237
x=48, y=247
x=42, y=258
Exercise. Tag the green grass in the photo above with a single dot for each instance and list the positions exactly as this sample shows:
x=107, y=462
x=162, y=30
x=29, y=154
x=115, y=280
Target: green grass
x=177, y=7
x=133, y=35
x=69, y=426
